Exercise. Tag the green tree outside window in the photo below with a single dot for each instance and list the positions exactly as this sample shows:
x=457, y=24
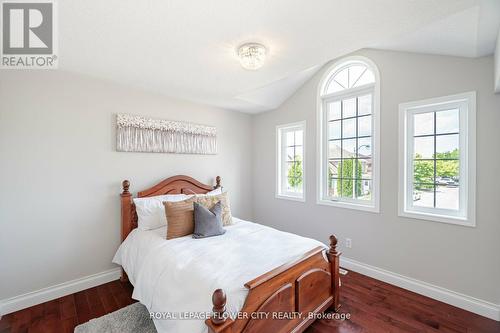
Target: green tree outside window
x=423, y=171
x=295, y=173
x=349, y=179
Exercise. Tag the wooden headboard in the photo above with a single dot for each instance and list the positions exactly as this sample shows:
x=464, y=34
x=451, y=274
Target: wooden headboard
x=173, y=185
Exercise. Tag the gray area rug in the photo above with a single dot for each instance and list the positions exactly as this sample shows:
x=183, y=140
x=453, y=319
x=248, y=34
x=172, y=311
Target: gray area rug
x=131, y=319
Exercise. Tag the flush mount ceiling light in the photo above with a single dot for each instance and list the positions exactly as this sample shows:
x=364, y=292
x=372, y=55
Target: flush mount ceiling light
x=252, y=56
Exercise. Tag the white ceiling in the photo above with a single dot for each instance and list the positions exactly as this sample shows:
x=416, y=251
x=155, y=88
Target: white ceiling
x=186, y=48
x=471, y=32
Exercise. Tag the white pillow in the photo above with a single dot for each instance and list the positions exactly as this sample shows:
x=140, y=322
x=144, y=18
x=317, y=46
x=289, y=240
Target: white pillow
x=217, y=191
x=151, y=212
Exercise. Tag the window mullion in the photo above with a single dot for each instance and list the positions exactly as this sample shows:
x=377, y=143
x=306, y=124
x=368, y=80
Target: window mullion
x=435, y=156
x=340, y=181
x=356, y=147
x=284, y=163
x=410, y=181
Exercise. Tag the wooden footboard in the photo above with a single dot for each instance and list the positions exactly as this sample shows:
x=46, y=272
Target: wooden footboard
x=286, y=298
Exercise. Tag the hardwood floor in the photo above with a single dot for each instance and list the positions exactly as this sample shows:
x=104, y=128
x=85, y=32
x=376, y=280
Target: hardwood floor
x=374, y=306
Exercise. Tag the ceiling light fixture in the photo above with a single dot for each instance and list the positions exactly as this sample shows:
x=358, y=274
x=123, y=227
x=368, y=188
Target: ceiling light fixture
x=252, y=56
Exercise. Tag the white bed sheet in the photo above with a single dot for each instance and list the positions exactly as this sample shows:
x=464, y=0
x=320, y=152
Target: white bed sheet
x=178, y=276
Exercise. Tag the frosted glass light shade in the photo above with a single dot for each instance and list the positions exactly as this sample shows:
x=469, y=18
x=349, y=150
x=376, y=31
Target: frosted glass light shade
x=252, y=56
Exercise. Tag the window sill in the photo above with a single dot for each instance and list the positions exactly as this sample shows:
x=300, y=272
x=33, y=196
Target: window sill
x=290, y=197
x=349, y=205
x=438, y=218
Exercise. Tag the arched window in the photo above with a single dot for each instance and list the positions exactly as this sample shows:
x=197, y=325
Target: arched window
x=348, y=113
x=350, y=75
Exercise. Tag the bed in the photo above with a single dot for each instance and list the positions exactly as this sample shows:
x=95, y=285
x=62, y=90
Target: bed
x=251, y=279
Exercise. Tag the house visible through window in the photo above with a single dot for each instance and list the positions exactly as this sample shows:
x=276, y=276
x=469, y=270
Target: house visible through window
x=290, y=166
x=348, y=126
x=437, y=159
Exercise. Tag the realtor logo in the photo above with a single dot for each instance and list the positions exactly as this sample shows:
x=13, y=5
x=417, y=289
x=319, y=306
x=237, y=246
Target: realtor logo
x=28, y=34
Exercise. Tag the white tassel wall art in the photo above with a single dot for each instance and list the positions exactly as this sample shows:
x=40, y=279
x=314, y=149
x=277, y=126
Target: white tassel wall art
x=142, y=134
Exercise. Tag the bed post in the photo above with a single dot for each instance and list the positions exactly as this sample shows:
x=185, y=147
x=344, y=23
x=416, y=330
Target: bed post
x=217, y=182
x=219, y=302
x=126, y=209
x=219, y=322
x=334, y=258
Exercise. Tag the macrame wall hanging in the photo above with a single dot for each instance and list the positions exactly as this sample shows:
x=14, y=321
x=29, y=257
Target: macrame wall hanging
x=141, y=134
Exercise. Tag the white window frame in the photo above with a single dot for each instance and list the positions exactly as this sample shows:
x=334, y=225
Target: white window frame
x=280, y=157
x=466, y=215
x=322, y=147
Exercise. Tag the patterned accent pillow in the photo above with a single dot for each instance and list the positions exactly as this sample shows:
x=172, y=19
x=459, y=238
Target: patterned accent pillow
x=180, y=218
x=209, y=201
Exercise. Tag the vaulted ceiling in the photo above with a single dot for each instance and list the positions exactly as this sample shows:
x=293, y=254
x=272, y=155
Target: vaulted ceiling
x=186, y=49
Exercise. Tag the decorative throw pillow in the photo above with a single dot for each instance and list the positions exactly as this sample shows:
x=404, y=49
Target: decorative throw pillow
x=209, y=201
x=207, y=223
x=180, y=218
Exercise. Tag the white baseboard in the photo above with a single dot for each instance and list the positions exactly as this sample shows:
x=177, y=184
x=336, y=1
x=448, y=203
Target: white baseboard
x=472, y=304
x=47, y=294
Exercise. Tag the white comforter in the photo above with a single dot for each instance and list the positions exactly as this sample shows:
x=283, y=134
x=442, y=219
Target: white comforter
x=179, y=275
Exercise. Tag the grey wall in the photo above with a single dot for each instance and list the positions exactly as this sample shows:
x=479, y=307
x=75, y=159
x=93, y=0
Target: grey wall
x=60, y=175
x=459, y=258
x=497, y=65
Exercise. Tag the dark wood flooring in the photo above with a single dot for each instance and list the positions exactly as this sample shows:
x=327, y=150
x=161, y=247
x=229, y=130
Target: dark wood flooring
x=374, y=306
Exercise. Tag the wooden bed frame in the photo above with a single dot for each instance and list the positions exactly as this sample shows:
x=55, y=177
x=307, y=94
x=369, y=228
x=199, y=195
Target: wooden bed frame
x=285, y=299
